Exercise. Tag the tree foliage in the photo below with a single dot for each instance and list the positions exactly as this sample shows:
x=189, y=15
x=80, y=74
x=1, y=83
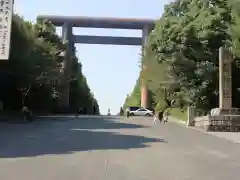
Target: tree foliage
x=134, y=98
x=182, y=51
x=33, y=74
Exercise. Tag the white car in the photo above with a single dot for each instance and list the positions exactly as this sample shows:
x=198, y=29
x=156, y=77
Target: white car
x=141, y=112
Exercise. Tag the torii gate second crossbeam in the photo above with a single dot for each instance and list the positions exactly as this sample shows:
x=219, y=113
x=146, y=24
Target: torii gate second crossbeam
x=68, y=22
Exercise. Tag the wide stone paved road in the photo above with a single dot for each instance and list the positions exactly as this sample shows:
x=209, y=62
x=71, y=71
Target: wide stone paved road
x=112, y=148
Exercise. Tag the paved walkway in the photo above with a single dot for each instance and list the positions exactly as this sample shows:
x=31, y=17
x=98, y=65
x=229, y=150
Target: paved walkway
x=231, y=136
x=105, y=148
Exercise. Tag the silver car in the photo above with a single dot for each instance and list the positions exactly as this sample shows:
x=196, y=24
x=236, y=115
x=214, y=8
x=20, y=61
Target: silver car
x=141, y=112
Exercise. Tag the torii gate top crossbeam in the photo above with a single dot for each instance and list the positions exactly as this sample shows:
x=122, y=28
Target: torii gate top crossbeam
x=96, y=22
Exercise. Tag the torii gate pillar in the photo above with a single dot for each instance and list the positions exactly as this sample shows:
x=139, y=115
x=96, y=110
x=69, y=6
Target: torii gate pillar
x=68, y=40
x=144, y=89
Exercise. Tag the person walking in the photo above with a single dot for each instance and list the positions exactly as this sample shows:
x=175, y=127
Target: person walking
x=78, y=111
x=155, y=117
x=165, y=116
x=109, y=112
x=160, y=116
x=121, y=111
x=1, y=106
x=26, y=114
x=127, y=114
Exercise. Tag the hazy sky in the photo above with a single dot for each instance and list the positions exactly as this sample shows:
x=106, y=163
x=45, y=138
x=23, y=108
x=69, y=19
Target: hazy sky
x=111, y=70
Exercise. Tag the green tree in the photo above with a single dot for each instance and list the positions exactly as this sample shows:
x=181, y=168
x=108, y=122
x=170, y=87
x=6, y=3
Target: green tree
x=134, y=99
x=187, y=39
x=181, y=54
x=33, y=72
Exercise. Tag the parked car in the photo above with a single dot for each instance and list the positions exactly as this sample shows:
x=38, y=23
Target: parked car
x=134, y=111
x=132, y=108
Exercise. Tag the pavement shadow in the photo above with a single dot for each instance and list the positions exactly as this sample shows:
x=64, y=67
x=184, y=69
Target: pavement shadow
x=100, y=122
x=65, y=137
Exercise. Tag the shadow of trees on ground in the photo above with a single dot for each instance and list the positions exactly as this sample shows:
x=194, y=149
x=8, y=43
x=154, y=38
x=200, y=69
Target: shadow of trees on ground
x=68, y=136
x=97, y=123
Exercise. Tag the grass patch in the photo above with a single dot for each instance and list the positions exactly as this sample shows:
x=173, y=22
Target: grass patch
x=178, y=114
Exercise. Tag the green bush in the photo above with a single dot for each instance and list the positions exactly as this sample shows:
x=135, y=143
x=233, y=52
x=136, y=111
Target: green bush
x=161, y=105
x=178, y=113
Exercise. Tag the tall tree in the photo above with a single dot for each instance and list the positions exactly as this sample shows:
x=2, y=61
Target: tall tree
x=32, y=74
x=181, y=54
x=134, y=99
x=187, y=39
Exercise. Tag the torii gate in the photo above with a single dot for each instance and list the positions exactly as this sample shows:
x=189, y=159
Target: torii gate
x=67, y=23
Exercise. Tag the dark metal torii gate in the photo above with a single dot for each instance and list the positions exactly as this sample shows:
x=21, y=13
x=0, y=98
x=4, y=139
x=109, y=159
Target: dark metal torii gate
x=67, y=23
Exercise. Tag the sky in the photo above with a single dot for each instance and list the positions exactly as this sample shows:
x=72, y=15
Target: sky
x=111, y=70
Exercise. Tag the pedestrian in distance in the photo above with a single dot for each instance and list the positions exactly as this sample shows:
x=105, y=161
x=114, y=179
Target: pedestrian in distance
x=1, y=106
x=121, y=112
x=127, y=114
x=27, y=114
x=155, y=117
x=160, y=116
x=79, y=111
x=165, y=117
x=109, y=112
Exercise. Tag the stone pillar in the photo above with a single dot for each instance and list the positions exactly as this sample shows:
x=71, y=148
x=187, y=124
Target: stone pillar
x=225, y=79
x=67, y=39
x=190, y=120
x=144, y=93
x=144, y=89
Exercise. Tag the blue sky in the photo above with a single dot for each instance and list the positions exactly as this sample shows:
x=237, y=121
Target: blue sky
x=111, y=70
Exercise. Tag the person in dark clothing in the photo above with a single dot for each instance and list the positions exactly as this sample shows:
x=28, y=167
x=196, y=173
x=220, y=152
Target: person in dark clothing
x=94, y=110
x=127, y=114
x=27, y=114
x=160, y=115
x=30, y=117
x=78, y=111
x=109, y=112
x=84, y=111
x=121, y=111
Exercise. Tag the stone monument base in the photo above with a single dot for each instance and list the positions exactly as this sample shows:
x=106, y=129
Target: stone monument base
x=232, y=111
x=218, y=111
x=227, y=120
x=224, y=123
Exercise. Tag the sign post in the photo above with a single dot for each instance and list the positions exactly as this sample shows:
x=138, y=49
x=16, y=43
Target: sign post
x=225, y=79
x=6, y=11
